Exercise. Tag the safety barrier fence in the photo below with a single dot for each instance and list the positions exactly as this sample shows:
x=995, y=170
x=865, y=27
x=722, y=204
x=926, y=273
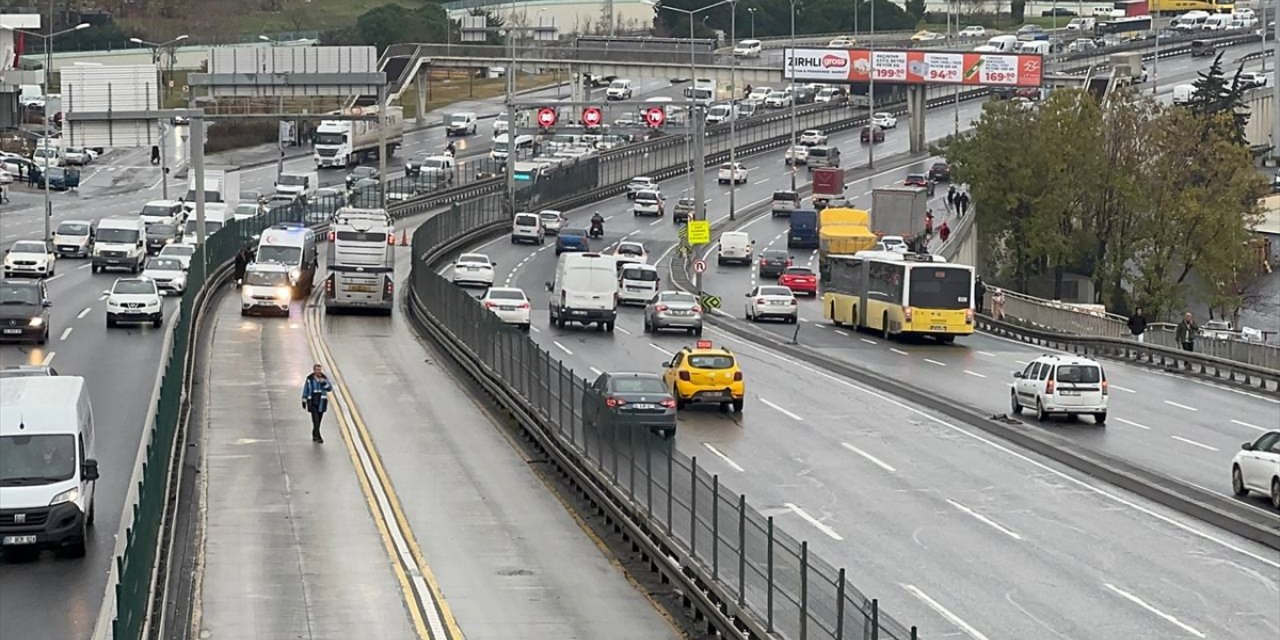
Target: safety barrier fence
x=766, y=573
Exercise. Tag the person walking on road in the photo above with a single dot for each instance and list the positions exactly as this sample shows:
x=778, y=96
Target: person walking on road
x=315, y=399
x=1138, y=324
x=928, y=222
x=1187, y=330
x=962, y=200
x=997, y=305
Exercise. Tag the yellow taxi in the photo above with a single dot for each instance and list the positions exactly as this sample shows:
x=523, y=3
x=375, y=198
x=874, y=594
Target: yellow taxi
x=704, y=373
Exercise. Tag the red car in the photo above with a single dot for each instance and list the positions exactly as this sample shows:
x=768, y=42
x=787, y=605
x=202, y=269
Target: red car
x=920, y=180
x=799, y=280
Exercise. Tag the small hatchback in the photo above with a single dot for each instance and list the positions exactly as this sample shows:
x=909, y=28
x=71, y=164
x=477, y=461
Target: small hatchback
x=1065, y=384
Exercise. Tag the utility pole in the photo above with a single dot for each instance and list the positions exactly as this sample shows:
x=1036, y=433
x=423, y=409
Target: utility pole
x=157, y=58
x=871, y=92
x=733, y=120
x=951, y=17
x=510, y=166
x=699, y=183
x=793, y=93
x=1275, y=87
x=382, y=145
x=1155, y=59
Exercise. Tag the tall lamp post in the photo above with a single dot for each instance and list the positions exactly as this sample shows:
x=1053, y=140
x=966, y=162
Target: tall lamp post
x=157, y=54
x=733, y=119
x=752, y=11
x=792, y=106
x=48, y=63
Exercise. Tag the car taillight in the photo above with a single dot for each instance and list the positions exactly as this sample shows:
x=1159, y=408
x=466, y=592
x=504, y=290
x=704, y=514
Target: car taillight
x=668, y=403
x=332, y=235
x=1106, y=388
x=660, y=308
x=697, y=309
x=759, y=300
x=906, y=314
x=968, y=316
x=764, y=261
x=562, y=298
x=489, y=305
x=328, y=286
x=684, y=375
x=391, y=239
x=737, y=376
x=523, y=305
x=614, y=403
x=793, y=302
x=1048, y=387
x=388, y=289
x=788, y=262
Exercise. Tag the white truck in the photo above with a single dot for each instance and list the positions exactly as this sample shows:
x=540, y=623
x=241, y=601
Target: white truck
x=220, y=186
x=361, y=261
x=342, y=143
x=298, y=184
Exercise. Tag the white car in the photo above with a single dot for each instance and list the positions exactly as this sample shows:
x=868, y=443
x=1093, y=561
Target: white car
x=167, y=273
x=813, y=137
x=736, y=172
x=772, y=301
x=134, y=300
x=885, y=120
x=894, y=243
x=77, y=155
x=619, y=89
x=510, y=304
x=777, y=99
x=1254, y=79
x=648, y=203
x=552, y=220
x=828, y=94
x=1064, y=384
x=1256, y=467
x=748, y=48
x=633, y=250
x=842, y=42
x=30, y=258
x=797, y=154
x=47, y=157
x=640, y=183
x=473, y=269
x=180, y=252
x=973, y=32
x=758, y=94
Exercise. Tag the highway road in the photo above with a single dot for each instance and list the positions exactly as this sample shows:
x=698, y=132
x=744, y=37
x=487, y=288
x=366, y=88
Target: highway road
x=980, y=540
x=120, y=365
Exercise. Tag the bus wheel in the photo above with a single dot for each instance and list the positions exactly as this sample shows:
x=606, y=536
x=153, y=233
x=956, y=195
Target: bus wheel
x=946, y=339
x=835, y=320
x=884, y=326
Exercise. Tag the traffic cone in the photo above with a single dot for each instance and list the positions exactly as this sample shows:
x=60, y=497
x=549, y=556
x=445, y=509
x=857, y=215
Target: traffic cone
x=404, y=238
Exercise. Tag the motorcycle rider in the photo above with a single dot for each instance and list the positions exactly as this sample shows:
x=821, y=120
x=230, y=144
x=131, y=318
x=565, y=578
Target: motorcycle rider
x=597, y=224
x=450, y=149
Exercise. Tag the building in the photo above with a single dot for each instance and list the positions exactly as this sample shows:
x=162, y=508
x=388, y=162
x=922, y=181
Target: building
x=11, y=77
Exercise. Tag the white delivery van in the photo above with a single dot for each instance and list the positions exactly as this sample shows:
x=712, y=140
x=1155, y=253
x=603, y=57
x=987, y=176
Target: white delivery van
x=1034, y=46
x=502, y=146
x=735, y=246
x=120, y=243
x=585, y=290
x=527, y=227
x=163, y=212
x=293, y=245
x=637, y=284
x=1218, y=22
x=1006, y=44
x=49, y=473
x=1182, y=93
x=215, y=218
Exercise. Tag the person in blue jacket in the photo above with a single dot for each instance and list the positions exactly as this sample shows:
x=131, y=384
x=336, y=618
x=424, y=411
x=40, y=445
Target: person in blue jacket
x=315, y=399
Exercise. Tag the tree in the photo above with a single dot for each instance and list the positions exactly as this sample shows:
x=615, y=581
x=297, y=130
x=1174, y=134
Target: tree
x=392, y=23
x=1018, y=10
x=915, y=8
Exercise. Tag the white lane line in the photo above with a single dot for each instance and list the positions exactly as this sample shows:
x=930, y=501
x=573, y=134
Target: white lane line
x=54, y=277
x=975, y=374
x=1022, y=362
x=867, y=341
x=657, y=222
x=942, y=611
x=1251, y=426
x=1124, y=389
x=843, y=333
x=877, y=461
x=986, y=353
x=1194, y=443
x=727, y=460
x=1133, y=424
x=660, y=349
x=595, y=370
x=813, y=521
x=562, y=347
x=84, y=313
x=624, y=331
x=985, y=520
x=898, y=351
x=84, y=266
x=1180, y=406
x=49, y=358
x=940, y=364
x=1138, y=601
x=803, y=320
x=535, y=329
x=781, y=410
x=760, y=181
x=66, y=332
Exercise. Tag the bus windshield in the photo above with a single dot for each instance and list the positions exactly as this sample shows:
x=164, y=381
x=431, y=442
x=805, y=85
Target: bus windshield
x=937, y=288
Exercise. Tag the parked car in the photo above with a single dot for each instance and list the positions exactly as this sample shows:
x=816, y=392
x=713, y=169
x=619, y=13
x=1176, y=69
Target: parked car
x=1256, y=467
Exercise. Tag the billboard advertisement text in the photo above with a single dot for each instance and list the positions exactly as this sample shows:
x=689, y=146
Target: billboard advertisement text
x=915, y=67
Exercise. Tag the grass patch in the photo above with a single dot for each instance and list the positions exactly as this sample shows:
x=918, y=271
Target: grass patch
x=233, y=20
x=449, y=88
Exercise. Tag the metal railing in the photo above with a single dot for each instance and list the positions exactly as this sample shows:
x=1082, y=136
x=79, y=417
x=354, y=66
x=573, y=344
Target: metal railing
x=767, y=573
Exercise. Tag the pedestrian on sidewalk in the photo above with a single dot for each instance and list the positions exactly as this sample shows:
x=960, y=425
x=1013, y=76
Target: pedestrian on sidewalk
x=951, y=198
x=980, y=295
x=944, y=232
x=963, y=201
x=997, y=305
x=315, y=399
x=1187, y=330
x=1138, y=324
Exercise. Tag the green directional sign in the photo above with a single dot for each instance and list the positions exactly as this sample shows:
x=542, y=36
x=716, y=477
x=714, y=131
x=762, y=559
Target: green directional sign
x=709, y=301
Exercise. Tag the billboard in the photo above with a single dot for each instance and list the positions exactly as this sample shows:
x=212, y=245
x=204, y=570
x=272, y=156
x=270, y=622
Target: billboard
x=902, y=66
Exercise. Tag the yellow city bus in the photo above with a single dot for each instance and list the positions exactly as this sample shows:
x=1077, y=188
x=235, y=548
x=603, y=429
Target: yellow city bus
x=899, y=294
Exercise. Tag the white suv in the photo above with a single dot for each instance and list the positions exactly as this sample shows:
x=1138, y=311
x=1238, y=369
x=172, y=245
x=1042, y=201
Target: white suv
x=134, y=300
x=1256, y=467
x=1063, y=384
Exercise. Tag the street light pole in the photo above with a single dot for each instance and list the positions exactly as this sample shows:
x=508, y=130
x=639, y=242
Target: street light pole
x=791, y=148
x=733, y=121
x=752, y=11
x=157, y=54
x=871, y=92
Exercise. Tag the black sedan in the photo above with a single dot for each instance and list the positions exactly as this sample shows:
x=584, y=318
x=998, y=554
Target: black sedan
x=24, y=311
x=1058, y=11
x=773, y=263
x=940, y=172
x=630, y=401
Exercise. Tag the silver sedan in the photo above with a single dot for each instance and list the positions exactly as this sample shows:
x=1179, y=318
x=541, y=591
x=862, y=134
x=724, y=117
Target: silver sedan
x=673, y=310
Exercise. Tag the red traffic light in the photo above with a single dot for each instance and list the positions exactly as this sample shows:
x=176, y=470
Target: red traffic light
x=547, y=117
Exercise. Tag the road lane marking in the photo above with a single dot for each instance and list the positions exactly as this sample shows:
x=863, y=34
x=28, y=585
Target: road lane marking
x=867, y=341
x=66, y=332
x=942, y=611
x=800, y=366
x=814, y=521
x=1138, y=601
x=1022, y=362
x=985, y=520
x=84, y=313
x=562, y=347
x=664, y=351
x=656, y=222
x=1124, y=389
x=48, y=358
x=781, y=410
x=84, y=266
x=843, y=333
x=898, y=351
x=940, y=364
x=1194, y=443
x=53, y=277
x=624, y=331
x=1180, y=406
x=727, y=460
x=595, y=370
x=1251, y=426
x=975, y=374
x=1133, y=424
x=986, y=353
x=877, y=461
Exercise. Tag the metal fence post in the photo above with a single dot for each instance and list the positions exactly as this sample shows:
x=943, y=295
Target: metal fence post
x=693, y=507
x=648, y=480
x=613, y=444
x=560, y=400
x=913, y=633
x=670, y=484
x=742, y=549
x=769, y=577
x=840, y=606
x=804, y=590
x=631, y=463
x=715, y=527
x=875, y=619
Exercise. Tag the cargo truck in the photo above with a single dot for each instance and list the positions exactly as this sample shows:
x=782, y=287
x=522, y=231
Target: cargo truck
x=828, y=187
x=361, y=261
x=804, y=229
x=898, y=211
x=342, y=143
x=220, y=186
x=842, y=231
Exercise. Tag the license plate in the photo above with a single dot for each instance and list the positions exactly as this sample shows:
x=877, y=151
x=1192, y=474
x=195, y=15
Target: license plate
x=938, y=327
x=1067, y=392
x=8, y=540
x=12, y=332
x=644, y=406
x=681, y=313
x=777, y=302
x=635, y=288
x=506, y=308
x=362, y=288
x=577, y=312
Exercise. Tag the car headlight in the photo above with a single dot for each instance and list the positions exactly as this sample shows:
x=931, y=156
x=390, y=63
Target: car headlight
x=295, y=274
x=36, y=322
x=70, y=495
x=283, y=293
x=112, y=302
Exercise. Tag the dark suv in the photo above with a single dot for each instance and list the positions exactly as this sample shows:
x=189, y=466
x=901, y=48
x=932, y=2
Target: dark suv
x=24, y=310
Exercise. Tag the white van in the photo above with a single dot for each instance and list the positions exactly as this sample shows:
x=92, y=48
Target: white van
x=461, y=124
x=49, y=474
x=619, y=89
x=719, y=113
x=216, y=216
x=120, y=243
x=1034, y=46
x=735, y=246
x=1218, y=22
x=1066, y=384
x=163, y=212
x=585, y=290
x=1182, y=93
x=293, y=245
x=637, y=284
x=1006, y=44
x=527, y=227
x=501, y=146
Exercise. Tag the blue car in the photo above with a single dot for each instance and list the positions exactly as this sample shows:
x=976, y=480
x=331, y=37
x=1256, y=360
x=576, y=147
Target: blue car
x=60, y=179
x=572, y=241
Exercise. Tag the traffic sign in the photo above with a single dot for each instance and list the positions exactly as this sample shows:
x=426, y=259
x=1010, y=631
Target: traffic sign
x=547, y=117
x=709, y=301
x=699, y=232
x=655, y=116
x=700, y=266
x=592, y=117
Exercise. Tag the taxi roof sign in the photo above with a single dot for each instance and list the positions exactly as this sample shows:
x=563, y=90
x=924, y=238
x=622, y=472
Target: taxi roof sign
x=704, y=344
